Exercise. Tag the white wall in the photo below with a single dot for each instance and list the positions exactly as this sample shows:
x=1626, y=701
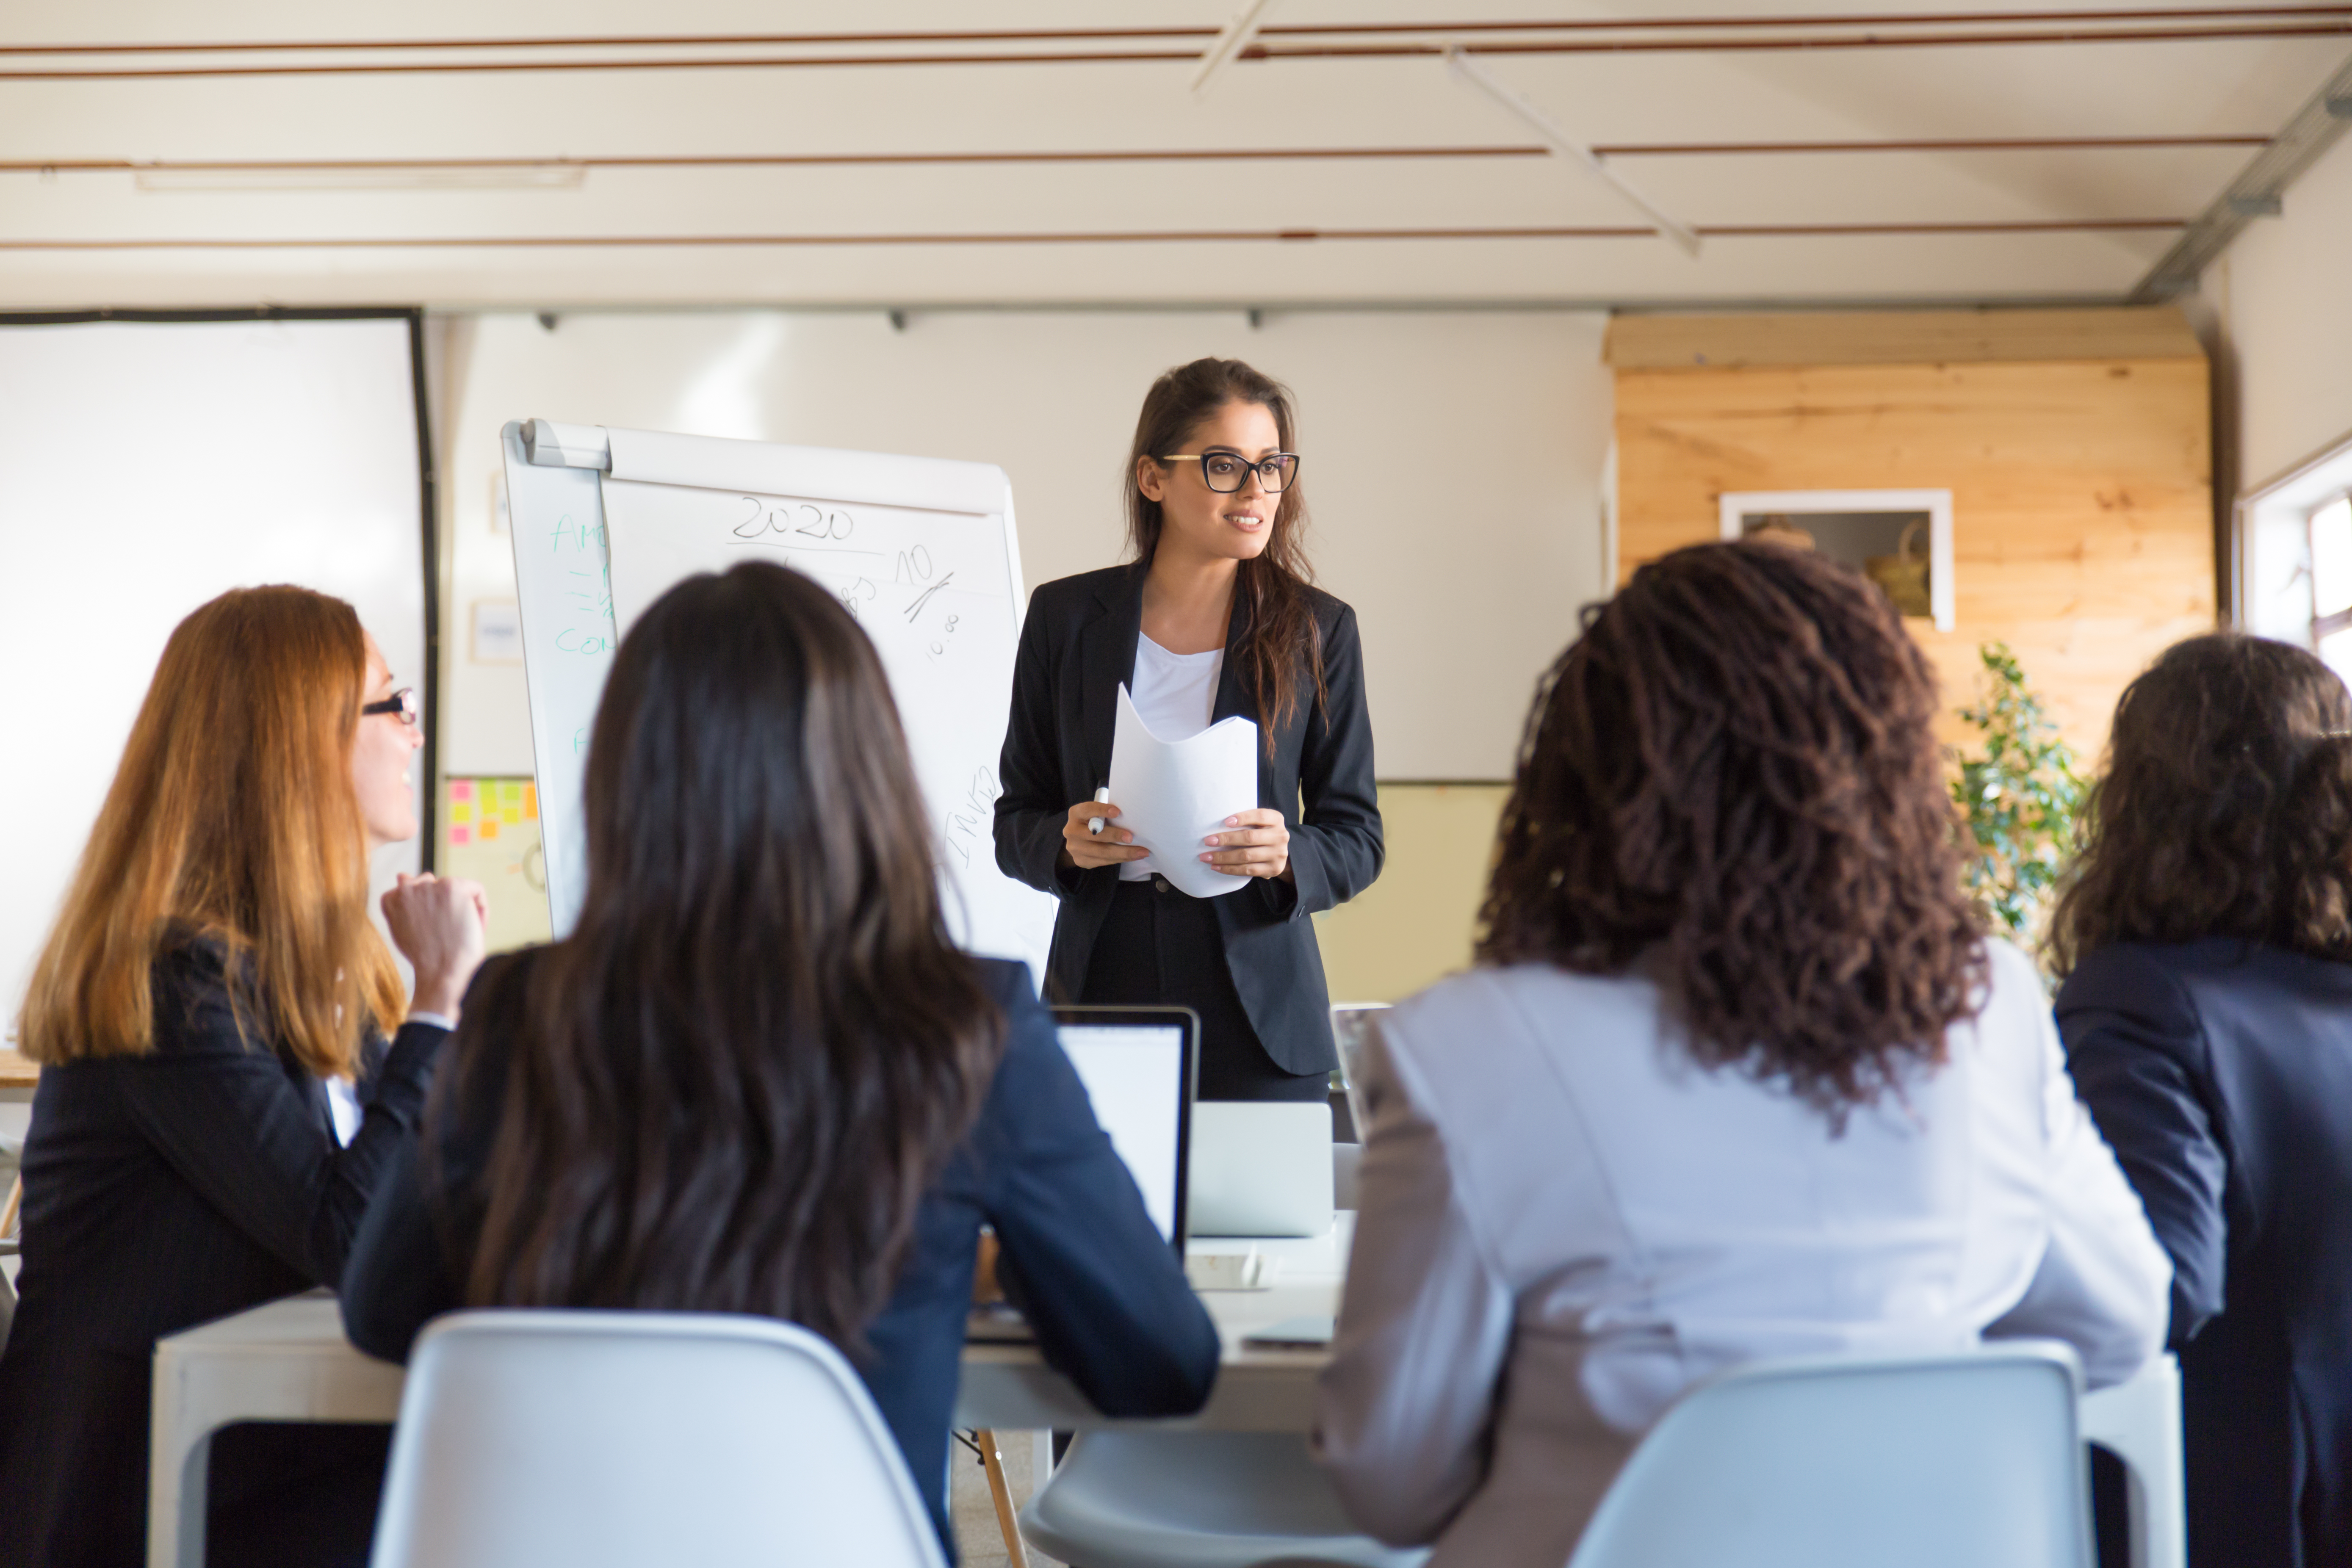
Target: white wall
x=144, y=469
x=1453, y=463
x=2283, y=291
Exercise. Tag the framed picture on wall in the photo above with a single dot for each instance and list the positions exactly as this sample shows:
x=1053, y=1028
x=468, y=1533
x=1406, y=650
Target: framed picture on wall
x=1901, y=539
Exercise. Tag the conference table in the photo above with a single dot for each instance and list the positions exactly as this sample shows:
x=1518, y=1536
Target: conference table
x=289, y=1360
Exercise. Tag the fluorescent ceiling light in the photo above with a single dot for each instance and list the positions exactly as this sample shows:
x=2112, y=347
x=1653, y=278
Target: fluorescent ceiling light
x=362, y=177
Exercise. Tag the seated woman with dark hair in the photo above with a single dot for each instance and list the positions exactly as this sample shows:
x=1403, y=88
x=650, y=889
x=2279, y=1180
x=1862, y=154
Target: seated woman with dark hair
x=757, y=1077
x=2206, y=936
x=1738, y=1075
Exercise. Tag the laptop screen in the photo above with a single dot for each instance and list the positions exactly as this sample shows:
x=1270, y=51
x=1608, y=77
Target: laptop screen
x=1137, y=1065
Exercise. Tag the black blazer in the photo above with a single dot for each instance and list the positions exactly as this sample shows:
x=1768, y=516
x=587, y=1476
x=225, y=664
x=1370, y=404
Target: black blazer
x=1077, y=647
x=1106, y=1295
x=2220, y=1072
x=160, y=1192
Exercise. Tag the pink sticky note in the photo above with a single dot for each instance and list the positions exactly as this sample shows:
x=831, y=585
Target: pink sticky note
x=461, y=836
x=461, y=789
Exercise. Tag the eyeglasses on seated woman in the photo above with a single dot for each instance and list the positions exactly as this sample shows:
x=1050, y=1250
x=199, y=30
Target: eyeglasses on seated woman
x=217, y=1097
x=757, y=1077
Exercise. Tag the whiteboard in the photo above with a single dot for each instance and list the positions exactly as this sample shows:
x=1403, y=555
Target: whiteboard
x=923, y=551
x=145, y=468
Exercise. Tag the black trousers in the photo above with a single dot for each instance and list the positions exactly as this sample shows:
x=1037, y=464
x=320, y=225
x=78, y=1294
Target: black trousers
x=1159, y=947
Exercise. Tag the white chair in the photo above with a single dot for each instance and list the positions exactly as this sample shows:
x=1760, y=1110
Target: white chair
x=2139, y=1423
x=1127, y=1498
x=1970, y=1461
x=617, y=1439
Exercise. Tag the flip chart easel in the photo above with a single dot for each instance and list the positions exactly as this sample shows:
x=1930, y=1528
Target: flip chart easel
x=922, y=550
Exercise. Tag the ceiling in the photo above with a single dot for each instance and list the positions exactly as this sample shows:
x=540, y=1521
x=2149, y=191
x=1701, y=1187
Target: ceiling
x=921, y=152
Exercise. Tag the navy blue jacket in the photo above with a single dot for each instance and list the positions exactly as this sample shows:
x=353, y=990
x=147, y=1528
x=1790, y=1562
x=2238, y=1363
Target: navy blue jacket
x=1106, y=1295
x=163, y=1190
x=2220, y=1072
x=1077, y=647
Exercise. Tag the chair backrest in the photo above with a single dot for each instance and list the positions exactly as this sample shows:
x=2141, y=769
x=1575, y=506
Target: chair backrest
x=1969, y=1460
x=588, y=1439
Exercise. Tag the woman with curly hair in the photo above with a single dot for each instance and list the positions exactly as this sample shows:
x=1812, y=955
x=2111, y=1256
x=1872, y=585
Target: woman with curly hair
x=2206, y=936
x=1737, y=1075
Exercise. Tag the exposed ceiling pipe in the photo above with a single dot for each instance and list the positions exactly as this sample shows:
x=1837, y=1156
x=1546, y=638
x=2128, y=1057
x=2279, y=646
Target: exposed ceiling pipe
x=2258, y=191
x=1231, y=42
x=1476, y=73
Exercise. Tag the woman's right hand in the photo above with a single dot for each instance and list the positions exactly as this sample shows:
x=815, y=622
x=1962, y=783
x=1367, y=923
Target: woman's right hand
x=1111, y=847
x=438, y=925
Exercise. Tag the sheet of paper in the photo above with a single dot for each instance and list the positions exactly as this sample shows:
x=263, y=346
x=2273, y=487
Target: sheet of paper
x=1172, y=794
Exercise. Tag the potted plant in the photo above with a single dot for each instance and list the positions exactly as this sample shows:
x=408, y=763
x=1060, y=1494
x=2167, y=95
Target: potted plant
x=2019, y=795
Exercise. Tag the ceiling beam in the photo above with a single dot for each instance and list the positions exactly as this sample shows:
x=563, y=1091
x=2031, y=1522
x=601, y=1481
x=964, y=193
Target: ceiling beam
x=1471, y=71
x=1729, y=35
x=1449, y=30
x=84, y=165
x=1107, y=236
x=1236, y=36
x=2258, y=191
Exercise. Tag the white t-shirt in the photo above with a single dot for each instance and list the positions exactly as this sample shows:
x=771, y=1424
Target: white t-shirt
x=1174, y=695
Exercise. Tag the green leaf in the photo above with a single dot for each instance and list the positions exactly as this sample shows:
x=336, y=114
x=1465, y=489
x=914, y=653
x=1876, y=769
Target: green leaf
x=2019, y=795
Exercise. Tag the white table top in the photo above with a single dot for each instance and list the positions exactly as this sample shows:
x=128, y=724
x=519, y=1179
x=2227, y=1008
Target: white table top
x=289, y=1360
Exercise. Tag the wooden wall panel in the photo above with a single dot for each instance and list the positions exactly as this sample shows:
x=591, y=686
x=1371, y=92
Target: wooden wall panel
x=1899, y=337
x=2081, y=526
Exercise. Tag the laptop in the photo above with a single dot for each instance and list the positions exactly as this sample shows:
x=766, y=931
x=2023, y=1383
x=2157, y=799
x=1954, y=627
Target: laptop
x=1261, y=1168
x=1139, y=1066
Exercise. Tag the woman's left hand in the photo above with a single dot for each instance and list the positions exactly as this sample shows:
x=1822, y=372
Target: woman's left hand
x=1253, y=844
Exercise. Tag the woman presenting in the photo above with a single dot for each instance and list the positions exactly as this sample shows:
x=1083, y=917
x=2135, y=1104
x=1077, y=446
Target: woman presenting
x=1214, y=617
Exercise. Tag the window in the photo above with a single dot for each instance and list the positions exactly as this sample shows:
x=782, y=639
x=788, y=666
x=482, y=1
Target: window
x=2331, y=584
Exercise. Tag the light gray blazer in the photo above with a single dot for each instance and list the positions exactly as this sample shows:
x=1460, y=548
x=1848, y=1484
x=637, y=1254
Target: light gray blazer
x=1564, y=1223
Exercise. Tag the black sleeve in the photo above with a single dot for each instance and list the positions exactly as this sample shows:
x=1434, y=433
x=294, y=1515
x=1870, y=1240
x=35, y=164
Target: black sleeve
x=1030, y=811
x=233, y=1122
x=2137, y=1051
x=1335, y=850
x=399, y=1278
x=1078, y=1253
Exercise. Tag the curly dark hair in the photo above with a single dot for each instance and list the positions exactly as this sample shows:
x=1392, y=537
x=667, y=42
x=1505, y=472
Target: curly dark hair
x=2225, y=808
x=1735, y=765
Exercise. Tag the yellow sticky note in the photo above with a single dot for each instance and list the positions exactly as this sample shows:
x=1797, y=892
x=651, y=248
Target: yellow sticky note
x=461, y=811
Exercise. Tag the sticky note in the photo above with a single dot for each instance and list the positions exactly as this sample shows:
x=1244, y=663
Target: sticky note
x=460, y=835
x=510, y=811
x=530, y=803
x=490, y=831
x=461, y=811
x=461, y=789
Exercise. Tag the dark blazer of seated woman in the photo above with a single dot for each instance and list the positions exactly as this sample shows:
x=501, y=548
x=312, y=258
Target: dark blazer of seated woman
x=757, y=1077
x=2206, y=937
x=185, y=1161
x=1104, y=1294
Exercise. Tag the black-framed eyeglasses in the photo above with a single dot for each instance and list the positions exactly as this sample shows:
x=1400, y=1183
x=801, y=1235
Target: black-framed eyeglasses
x=1225, y=472
x=402, y=703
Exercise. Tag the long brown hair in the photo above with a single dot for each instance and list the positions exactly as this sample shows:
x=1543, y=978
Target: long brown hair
x=232, y=818
x=1279, y=629
x=2225, y=808
x=1735, y=765
x=736, y=1077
